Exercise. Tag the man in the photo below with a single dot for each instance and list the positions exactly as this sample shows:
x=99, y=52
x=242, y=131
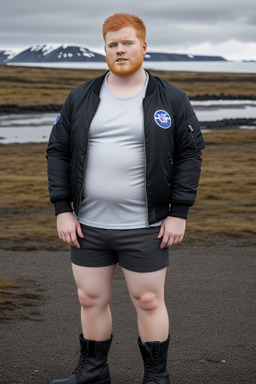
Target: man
x=123, y=165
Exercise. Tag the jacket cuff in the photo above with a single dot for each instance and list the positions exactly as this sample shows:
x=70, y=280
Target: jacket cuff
x=62, y=206
x=179, y=210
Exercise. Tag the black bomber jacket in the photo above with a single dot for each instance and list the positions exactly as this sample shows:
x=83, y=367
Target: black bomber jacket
x=173, y=144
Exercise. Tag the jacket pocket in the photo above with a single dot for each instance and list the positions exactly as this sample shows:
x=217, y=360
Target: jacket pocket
x=195, y=134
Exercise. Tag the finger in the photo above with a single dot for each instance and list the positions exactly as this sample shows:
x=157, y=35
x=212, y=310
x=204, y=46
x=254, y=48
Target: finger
x=164, y=242
x=75, y=244
x=170, y=242
x=177, y=239
x=67, y=238
x=74, y=240
x=79, y=231
x=161, y=232
x=60, y=235
x=181, y=238
x=71, y=242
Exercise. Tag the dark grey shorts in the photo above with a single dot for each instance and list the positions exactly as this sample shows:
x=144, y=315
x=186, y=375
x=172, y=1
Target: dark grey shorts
x=137, y=250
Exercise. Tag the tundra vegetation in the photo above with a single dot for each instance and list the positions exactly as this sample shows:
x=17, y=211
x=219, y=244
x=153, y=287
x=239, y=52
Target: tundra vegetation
x=225, y=209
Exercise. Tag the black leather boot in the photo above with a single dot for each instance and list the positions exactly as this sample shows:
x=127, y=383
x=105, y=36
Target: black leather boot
x=154, y=355
x=92, y=367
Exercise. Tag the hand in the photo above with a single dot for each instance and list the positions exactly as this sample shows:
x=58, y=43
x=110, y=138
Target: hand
x=68, y=227
x=172, y=231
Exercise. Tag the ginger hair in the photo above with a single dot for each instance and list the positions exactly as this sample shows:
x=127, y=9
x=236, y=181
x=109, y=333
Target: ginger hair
x=121, y=20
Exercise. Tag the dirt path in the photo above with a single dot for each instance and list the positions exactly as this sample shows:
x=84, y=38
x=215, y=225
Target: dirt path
x=211, y=299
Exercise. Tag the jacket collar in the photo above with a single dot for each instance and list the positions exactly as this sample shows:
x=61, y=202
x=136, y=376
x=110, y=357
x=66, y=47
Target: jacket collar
x=150, y=88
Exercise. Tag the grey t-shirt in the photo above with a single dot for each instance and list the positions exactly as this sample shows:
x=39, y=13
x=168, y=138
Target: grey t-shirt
x=114, y=183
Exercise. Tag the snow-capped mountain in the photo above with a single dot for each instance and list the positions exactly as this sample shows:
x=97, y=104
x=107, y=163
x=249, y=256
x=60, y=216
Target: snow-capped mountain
x=56, y=53
x=6, y=55
x=49, y=53
x=162, y=56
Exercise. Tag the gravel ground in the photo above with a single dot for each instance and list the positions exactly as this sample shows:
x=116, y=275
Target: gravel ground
x=210, y=295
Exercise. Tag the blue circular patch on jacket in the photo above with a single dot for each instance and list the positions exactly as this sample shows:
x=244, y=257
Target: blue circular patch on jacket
x=58, y=117
x=162, y=118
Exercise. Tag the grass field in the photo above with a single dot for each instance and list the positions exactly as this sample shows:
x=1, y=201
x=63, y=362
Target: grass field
x=26, y=87
x=225, y=208
x=226, y=205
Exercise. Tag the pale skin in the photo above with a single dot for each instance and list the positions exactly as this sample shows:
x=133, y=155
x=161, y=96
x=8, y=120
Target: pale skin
x=124, y=52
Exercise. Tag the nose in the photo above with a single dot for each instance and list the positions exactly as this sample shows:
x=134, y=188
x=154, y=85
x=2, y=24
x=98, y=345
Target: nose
x=120, y=48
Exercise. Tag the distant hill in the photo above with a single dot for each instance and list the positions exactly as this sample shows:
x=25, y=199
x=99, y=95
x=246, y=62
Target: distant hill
x=46, y=53
x=161, y=56
x=54, y=53
x=5, y=55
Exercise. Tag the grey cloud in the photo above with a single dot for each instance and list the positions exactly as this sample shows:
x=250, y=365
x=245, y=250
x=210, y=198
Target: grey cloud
x=174, y=24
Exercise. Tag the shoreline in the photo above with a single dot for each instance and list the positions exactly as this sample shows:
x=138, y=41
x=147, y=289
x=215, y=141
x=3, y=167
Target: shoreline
x=15, y=108
x=227, y=124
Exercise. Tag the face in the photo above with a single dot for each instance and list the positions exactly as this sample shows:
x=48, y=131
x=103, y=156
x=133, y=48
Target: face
x=124, y=51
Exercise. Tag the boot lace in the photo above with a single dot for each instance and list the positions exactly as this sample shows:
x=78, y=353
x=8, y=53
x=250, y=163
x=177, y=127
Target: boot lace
x=151, y=374
x=81, y=363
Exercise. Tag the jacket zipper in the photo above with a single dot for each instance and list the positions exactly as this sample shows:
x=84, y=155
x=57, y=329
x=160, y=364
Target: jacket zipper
x=145, y=168
x=191, y=129
x=85, y=160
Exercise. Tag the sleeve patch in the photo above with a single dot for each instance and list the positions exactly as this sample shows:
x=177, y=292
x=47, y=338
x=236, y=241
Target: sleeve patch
x=57, y=119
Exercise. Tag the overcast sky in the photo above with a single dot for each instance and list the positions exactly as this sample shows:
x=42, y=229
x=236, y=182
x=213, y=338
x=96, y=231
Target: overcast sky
x=220, y=27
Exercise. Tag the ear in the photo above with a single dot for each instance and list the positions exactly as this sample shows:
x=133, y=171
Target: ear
x=144, y=48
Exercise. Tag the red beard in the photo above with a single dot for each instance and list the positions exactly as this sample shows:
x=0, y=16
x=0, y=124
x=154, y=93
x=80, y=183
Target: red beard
x=126, y=68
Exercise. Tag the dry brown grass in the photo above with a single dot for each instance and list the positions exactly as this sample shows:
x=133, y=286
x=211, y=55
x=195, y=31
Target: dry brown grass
x=23, y=86
x=225, y=207
x=226, y=203
x=19, y=301
x=27, y=218
x=198, y=84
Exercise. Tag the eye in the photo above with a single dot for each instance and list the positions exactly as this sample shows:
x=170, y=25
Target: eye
x=112, y=45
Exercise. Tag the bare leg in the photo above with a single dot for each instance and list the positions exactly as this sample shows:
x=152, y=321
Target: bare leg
x=147, y=295
x=94, y=287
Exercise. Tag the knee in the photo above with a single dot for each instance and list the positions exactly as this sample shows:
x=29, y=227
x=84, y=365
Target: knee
x=85, y=299
x=148, y=301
